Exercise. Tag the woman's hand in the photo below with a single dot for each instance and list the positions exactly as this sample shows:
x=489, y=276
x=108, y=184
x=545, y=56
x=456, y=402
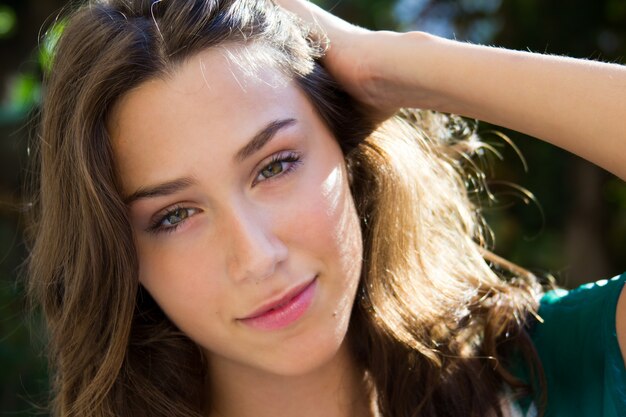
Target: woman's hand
x=381, y=69
x=351, y=57
x=347, y=48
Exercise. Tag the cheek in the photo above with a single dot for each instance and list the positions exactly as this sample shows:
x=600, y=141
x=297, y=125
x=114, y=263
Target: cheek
x=329, y=224
x=173, y=276
x=334, y=228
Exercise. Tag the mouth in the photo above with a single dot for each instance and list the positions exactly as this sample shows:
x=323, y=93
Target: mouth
x=280, y=313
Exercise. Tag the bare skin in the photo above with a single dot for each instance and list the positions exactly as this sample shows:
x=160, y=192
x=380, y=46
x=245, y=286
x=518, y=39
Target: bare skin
x=575, y=104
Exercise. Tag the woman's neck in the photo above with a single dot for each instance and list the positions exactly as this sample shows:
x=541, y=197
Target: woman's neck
x=336, y=389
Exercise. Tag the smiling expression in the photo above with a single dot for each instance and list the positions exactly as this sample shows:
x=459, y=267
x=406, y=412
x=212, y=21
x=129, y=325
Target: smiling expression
x=239, y=203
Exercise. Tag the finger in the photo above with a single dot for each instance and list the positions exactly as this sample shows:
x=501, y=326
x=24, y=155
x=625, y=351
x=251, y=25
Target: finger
x=314, y=15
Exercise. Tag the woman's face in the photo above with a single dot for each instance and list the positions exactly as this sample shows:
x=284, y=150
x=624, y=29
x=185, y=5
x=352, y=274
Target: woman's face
x=245, y=228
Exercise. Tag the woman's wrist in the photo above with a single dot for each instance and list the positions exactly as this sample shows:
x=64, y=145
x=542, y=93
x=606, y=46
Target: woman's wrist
x=403, y=70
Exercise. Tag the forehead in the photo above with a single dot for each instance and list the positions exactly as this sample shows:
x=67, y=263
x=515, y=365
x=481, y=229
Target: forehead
x=210, y=104
x=233, y=76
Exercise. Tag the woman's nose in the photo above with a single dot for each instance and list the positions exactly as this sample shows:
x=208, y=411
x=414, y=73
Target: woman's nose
x=255, y=248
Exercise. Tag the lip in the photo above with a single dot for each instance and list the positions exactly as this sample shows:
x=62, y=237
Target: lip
x=283, y=311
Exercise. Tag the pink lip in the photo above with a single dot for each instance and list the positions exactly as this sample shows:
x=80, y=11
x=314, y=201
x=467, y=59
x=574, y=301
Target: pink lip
x=284, y=311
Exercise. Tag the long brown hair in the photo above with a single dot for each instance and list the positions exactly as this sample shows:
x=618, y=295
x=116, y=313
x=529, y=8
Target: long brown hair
x=434, y=324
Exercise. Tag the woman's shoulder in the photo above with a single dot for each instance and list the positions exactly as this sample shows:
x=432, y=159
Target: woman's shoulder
x=577, y=344
x=599, y=291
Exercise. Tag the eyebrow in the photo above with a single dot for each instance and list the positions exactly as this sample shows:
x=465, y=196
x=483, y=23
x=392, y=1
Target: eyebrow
x=171, y=187
x=262, y=138
x=160, y=190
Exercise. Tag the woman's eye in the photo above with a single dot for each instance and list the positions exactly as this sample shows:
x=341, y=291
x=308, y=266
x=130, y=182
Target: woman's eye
x=172, y=219
x=176, y=216
x=272, y=169
x=280, y=164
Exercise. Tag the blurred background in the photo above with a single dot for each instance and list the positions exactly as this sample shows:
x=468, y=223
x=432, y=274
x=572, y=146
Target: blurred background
x=573, y=227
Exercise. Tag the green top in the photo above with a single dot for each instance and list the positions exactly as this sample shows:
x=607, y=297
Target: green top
x=578, y=348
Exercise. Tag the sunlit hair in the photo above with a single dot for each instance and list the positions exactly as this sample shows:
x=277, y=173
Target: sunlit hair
x=438, y=319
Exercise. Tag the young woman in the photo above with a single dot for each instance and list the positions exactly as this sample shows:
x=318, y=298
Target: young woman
x=222, y=229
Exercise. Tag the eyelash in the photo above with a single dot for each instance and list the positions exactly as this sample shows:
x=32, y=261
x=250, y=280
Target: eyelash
x=293, y=158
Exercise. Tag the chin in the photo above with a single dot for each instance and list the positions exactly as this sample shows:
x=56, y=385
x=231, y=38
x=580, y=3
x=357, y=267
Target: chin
x=301, y=356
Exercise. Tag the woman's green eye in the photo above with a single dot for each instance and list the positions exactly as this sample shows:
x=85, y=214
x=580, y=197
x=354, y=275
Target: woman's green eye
x=272, y=169
x=176, y=216
x=172, y=219
x=279, y=166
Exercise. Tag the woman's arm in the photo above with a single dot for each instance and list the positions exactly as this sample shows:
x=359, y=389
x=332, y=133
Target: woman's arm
x=575, y=104
x=578, y=105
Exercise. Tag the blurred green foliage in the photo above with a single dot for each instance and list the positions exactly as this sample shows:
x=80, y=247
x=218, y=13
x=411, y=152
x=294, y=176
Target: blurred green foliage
x=8, y=21
x=574, y=225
